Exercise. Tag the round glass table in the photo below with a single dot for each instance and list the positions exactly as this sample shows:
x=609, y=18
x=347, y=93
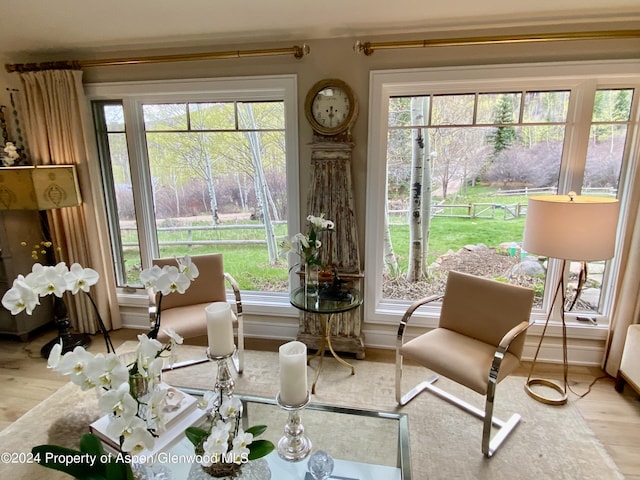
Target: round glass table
x=326, y=305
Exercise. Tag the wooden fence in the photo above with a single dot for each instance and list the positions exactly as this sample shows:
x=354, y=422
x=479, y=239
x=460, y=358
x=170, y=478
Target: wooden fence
x=472, y=210
x=189, y=241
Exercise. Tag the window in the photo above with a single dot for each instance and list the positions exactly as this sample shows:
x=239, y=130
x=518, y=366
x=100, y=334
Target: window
x=461, y=149
x=200, y=166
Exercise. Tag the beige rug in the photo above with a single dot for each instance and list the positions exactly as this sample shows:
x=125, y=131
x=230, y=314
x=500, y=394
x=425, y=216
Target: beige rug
x=550, y=442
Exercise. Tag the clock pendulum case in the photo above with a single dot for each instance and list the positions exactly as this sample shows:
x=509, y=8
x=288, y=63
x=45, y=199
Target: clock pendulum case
x=331, y=109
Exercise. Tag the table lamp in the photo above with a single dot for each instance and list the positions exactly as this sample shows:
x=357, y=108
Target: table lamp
x=571, y=228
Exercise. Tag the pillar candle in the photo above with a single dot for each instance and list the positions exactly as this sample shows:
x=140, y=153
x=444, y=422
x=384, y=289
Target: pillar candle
x=220, y=329
x=293, y=373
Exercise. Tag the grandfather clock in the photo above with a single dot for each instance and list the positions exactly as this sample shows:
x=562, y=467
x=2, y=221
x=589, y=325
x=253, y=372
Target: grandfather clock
x=331, y=108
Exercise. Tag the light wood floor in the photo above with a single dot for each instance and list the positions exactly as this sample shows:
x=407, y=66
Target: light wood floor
x=614, y=417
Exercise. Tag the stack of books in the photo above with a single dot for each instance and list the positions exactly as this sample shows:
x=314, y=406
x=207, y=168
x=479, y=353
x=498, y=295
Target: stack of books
x=182, y=411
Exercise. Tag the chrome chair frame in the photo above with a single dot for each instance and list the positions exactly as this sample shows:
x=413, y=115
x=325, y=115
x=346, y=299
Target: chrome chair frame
x=155, y=315
x=489, y=444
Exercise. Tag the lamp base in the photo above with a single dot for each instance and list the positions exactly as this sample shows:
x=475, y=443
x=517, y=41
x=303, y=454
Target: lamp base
x=546, y=383
x=69, y=342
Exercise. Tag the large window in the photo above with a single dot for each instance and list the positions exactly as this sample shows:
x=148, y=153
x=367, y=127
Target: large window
x=197, y=167
x=459, y=151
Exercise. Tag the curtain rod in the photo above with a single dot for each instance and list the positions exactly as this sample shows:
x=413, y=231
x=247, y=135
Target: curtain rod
x=369, y=47
x=297, y=51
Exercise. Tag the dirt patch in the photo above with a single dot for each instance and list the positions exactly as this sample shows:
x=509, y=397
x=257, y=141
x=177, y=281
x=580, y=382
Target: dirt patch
x=475, y=260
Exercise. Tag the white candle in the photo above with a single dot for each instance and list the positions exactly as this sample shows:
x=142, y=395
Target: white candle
x=293, y=373
x=220, y=329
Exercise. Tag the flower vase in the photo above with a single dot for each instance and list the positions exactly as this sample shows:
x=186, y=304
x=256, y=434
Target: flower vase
x=252, y=470
x=311, y=277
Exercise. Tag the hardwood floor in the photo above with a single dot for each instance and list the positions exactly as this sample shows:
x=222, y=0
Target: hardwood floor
x=613, y=417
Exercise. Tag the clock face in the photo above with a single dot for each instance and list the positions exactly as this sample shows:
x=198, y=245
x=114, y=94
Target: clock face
x=330, y=107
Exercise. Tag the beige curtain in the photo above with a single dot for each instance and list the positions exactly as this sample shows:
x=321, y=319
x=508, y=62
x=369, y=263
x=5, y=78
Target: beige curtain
x=54, y=112
x=627, y=304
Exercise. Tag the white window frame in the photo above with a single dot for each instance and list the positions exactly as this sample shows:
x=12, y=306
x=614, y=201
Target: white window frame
x=580, y=77
x=250, y=88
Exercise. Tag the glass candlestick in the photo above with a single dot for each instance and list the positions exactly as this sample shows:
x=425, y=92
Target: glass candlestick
x=224, y=381
x=294, y=445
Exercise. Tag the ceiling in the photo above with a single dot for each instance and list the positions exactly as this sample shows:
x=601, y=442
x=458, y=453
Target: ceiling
x=38, y=27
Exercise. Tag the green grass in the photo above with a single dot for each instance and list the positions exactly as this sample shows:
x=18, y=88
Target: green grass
x=249, y=264
x=454, y=233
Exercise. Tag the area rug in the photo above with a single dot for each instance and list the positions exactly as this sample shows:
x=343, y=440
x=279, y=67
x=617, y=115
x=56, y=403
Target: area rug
x=550, y=442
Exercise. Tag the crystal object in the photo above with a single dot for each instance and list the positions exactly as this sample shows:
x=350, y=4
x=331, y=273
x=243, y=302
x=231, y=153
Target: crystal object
x=320, y=465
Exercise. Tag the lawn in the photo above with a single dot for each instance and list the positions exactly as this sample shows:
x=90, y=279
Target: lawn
x=249, y=264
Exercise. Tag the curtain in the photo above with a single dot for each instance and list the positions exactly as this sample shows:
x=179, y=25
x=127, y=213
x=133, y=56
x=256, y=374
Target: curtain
x=55, y=115
x=626, y=309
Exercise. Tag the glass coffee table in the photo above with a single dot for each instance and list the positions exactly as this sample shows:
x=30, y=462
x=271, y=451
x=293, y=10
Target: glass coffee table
x=365, y=444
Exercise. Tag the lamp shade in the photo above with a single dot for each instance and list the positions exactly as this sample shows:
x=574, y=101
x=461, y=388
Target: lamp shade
x=56, y=186
x=16, y=189
x=578, y=228
x=39, y=188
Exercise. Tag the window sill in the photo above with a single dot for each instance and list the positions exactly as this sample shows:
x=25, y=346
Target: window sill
x=252, y=303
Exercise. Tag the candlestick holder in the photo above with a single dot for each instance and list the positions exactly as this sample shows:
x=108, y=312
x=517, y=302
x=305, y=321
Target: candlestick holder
x=224, y=381
x=294, y=445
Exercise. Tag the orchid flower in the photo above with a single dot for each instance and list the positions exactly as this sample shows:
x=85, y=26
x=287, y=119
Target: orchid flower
x=119, y=402
x=231, y=407
x=189, y=268
x=79, y=278
x=19, y=297
x=240, y=444
x=149, y=276
x=148, y=348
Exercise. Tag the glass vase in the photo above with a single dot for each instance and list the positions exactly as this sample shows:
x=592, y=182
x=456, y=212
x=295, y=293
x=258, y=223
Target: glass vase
x=311, y=281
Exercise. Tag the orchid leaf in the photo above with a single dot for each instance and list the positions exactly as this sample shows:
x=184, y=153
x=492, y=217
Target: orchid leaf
x=260, y=448
x=256, y=430
x=196, y=435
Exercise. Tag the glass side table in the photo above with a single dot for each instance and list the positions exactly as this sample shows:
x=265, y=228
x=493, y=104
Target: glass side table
x=326, y=307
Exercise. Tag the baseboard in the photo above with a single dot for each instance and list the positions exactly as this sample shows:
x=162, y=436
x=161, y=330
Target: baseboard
x=585, y=352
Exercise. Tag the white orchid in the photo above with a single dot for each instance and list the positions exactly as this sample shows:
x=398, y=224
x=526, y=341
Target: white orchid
x=307, y=246
x=188, y=268
x=132, y=419
x=138, y=441
x=170, y=278
x=107, y=371
x=46, y=280
x=231, y=407
x=134, y=432
x=49, y=280
x=217, y=442
x=79, y=278
x=240, y=444
x=175, y=339
x=224, y=440
x=21, y=296
x=119, y=402
x=149, y=276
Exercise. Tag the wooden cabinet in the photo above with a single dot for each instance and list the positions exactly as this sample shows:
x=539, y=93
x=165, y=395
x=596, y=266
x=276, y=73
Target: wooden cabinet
x=17, y=226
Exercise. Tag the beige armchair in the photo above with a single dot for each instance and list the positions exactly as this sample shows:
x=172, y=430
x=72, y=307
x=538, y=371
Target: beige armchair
x=477, y=343
x=185, y=312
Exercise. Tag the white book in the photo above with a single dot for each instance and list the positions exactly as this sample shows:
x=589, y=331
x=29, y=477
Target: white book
x=177, y=421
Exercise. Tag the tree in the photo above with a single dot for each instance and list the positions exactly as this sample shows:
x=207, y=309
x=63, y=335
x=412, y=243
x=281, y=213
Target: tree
x=503, y=136
x=263, y=194
x=416, y=231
